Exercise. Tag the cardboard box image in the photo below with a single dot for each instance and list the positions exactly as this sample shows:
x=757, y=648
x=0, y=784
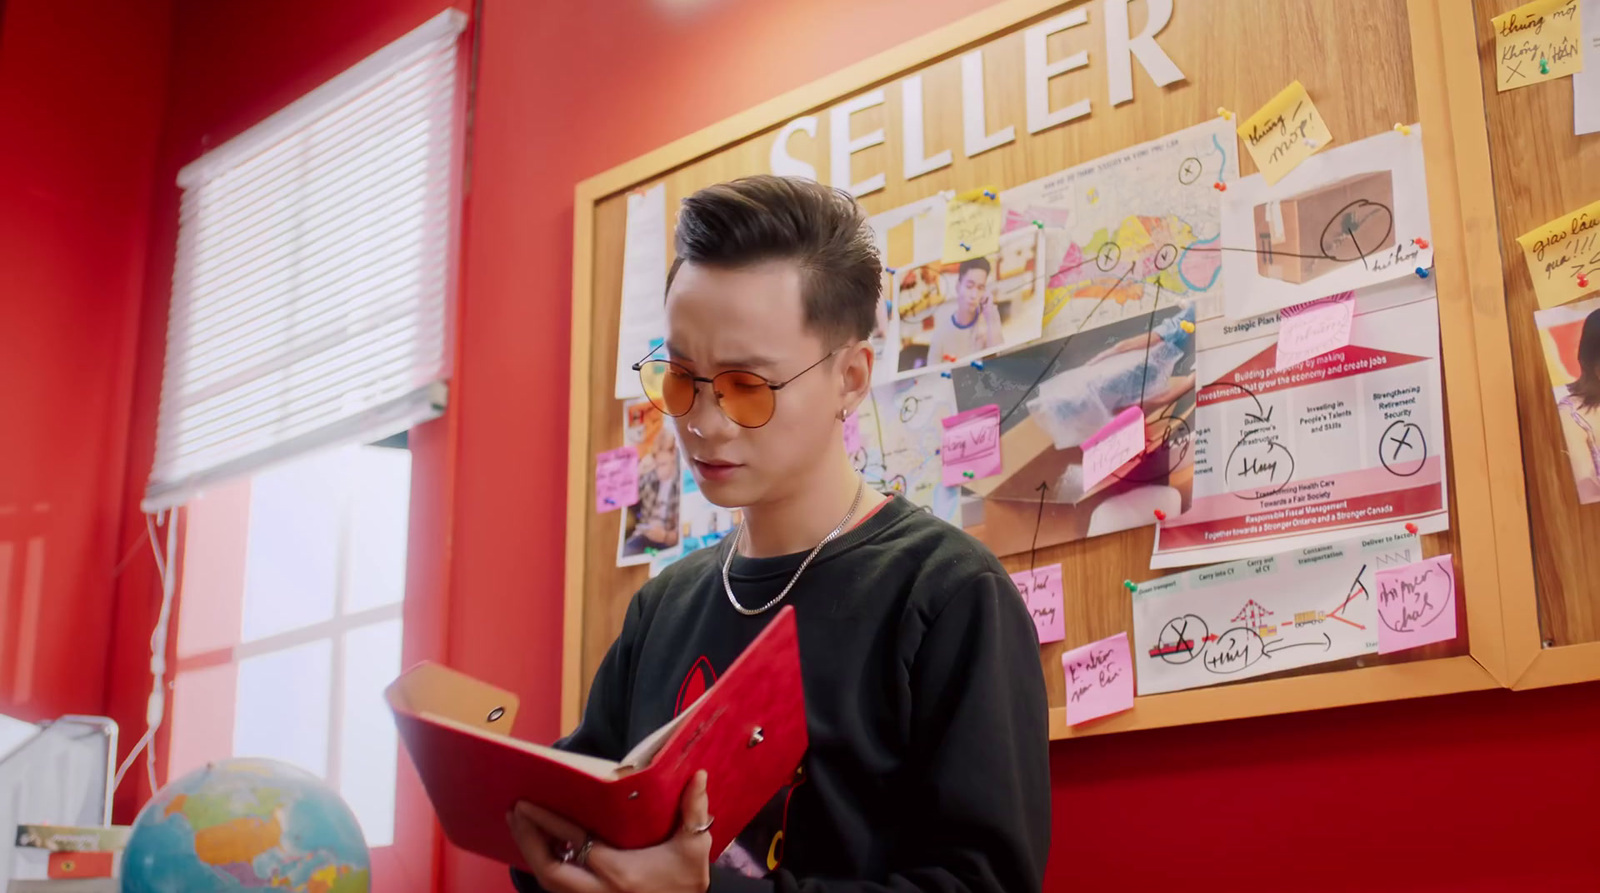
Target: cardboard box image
x=1314, y=233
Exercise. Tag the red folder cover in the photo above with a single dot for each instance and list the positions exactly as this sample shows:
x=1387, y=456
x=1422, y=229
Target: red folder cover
x=748, y=731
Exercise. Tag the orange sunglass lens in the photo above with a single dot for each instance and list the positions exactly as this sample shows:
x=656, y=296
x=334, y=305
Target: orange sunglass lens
x=745, y=397
x=670, y=387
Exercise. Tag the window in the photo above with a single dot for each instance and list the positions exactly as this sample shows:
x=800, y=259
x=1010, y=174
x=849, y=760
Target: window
x=309, y=329
x=290, y=623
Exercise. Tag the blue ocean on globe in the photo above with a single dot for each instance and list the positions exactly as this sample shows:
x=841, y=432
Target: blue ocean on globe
x=246, y=824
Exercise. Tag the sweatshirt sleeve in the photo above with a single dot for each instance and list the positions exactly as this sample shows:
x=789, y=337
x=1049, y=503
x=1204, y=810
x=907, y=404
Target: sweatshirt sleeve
x=603, y=731
x=980, y=785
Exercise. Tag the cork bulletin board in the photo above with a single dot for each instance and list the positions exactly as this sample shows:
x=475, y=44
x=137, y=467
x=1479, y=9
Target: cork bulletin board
x=1368, y=63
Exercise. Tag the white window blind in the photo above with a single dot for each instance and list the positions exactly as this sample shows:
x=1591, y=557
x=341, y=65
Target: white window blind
x=311, y=294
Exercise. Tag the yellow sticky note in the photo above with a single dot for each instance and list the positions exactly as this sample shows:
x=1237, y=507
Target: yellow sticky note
x=1285, y=132
x=972, y=225
x=1564, y=256
x=1536, y=42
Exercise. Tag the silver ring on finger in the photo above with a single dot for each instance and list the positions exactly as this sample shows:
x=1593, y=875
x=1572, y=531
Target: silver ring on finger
x=581, y=857
x=701, y=829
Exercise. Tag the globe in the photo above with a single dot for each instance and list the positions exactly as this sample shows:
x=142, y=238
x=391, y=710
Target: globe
x=245, y=824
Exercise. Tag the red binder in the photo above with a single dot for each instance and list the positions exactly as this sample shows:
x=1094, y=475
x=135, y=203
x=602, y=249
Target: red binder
x=748, y=731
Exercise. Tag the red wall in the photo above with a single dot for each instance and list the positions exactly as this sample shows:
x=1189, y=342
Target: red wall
x=1453, y=792
x=81, y=90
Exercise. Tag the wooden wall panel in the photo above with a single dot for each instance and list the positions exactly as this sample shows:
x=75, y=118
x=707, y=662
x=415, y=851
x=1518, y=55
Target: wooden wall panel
x=1541, y=171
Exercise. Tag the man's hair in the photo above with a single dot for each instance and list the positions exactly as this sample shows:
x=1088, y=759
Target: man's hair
x=976, y=263
x=821, y=229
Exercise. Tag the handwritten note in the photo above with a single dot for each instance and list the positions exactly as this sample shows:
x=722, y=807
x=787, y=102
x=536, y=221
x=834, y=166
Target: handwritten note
x=616, y=479
x=1314, y=328
x=1112, y=446
x=1416, y=604
x=1536, y=42
x=1563, y=256
x=852, y=434
x=1284, y=132
x=1041, y=592
x=1099, y=679
x=971, y=445
x=972, y=225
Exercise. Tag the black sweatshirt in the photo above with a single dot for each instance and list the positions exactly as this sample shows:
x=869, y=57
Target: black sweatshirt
x=928, y=767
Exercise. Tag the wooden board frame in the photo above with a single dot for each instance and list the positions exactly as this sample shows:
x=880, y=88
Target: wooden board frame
x=1450, y=106
x=1531, y=660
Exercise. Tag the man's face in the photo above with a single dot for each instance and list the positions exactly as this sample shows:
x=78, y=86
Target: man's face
x=751, y=319
x=972, y=289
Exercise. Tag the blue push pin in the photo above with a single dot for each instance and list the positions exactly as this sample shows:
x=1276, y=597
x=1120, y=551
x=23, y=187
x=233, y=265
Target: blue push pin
x=1421, y=273
x=889, y=270
x=945, y=374
x=977, y=364
x=610, y=501
x=964, y=246
x=988, y=194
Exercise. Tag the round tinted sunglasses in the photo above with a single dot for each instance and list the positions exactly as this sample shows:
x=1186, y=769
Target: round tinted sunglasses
x=747, y=399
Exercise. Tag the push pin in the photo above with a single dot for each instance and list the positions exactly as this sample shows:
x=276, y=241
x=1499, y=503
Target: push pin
x=1411, y=528
x=1130, y=585
x=889, y=270
x=1220, y=186
x=1311, y=143
x=1422, y=273
x=967, y=474
x=988, y=194
x=964, y=246
x=1420, y=243
x=1226, y=115
x=650, y=552
x=1038, y=224
x=945, y=374
x=1186, y=325
x=978, y=365
x=949, y=358
x=1403, y=129
x=1544, y=66
x=610, y=501
x=1583, y=281
x=1161, y=515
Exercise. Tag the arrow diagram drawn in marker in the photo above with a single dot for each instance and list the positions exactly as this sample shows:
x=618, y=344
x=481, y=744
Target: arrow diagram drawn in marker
x=1268, y=650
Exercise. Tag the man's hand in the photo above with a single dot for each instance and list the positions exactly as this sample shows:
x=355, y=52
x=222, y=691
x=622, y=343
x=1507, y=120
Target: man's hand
x=681, y=865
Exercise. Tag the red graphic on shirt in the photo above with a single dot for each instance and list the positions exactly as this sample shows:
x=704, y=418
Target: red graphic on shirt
x=700, y=679
x=759, y=848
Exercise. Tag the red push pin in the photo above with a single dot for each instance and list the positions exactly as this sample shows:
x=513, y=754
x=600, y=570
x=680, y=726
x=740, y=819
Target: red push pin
x=1411, y=528
x=1161, y=515
x=949, y=359
x=1220, y=186
x=1583, y=281
x=1420, y=243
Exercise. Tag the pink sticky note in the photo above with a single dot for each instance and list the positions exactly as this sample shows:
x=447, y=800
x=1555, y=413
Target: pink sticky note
x=616, y=479
x=971, y=446
x=1099, y=679
x=1416, y=604
x=852, y=434
x=1314, y=328
x=1112, y=446
x=1041, y=592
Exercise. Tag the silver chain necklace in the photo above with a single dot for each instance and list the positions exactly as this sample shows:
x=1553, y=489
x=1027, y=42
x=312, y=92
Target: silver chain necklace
x=727, y=587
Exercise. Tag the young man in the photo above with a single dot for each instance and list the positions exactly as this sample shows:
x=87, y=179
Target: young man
x=973, y=326
x=928, y=766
